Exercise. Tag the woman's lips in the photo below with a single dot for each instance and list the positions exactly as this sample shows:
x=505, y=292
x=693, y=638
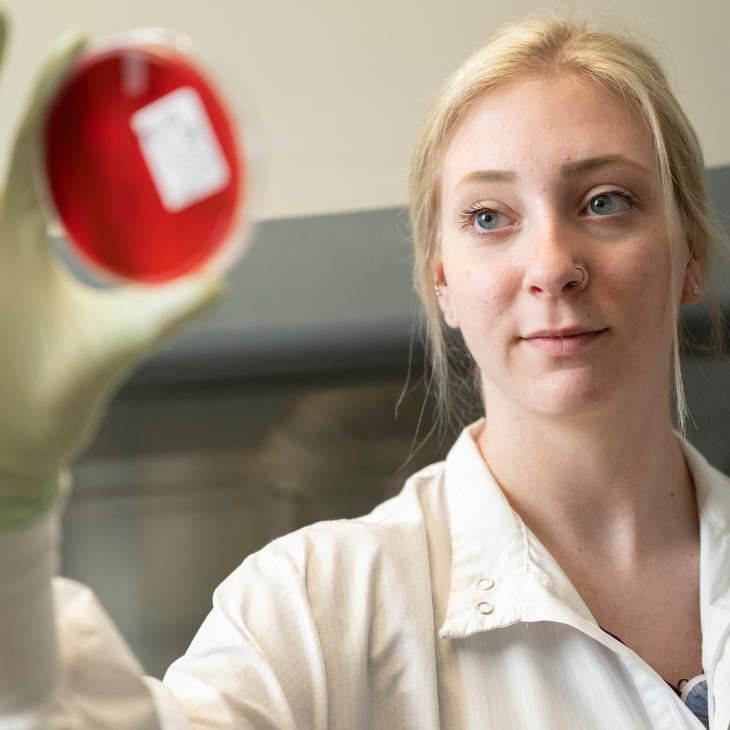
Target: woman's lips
x=564, y=345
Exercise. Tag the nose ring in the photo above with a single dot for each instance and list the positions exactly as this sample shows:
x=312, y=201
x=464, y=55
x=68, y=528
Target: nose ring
x=584, y=276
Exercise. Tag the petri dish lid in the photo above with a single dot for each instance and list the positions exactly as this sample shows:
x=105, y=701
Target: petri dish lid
x=143, y=165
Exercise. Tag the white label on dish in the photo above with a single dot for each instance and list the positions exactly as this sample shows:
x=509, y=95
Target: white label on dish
x=181, y=149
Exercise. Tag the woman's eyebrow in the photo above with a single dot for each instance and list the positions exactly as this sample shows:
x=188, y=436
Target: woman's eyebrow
x=486, y=176
x=569, y=169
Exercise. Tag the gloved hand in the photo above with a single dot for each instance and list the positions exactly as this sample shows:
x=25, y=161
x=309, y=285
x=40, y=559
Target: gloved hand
x=64, y=347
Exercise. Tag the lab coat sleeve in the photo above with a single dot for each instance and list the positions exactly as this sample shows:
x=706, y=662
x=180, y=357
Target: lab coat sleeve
x=254, y=663
x=257, y=660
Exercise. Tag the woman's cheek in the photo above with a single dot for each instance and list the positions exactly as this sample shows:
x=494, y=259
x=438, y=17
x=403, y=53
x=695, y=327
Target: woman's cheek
x=481, y=295
x=647, y=281
x=637, y=292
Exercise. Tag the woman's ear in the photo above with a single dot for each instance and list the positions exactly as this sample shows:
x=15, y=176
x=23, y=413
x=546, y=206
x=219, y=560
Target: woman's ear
x=694, y=279
x=441, y=290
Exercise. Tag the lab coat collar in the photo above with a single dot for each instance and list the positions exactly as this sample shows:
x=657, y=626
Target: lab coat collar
x=490, y=541
x=500, y=572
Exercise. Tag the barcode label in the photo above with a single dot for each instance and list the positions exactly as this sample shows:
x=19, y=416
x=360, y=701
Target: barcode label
x=181, y=149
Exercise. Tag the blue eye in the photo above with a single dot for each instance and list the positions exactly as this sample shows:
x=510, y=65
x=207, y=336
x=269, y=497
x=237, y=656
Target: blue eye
x=482, y=220
x=486, y=219
x=610, y=203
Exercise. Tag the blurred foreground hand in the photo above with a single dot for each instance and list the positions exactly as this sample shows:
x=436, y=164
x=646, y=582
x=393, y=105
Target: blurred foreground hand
x=64, y=347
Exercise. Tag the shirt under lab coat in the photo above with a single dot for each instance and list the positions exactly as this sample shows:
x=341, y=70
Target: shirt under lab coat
x=439, y=609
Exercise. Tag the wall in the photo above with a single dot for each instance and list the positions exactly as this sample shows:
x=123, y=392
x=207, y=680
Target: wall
x=341, y=87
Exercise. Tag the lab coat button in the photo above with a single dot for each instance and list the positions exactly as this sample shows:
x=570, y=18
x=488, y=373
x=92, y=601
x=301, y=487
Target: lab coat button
x=485, y=584
x=485, y=607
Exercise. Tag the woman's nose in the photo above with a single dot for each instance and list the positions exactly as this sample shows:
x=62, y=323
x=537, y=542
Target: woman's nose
x=553, y=265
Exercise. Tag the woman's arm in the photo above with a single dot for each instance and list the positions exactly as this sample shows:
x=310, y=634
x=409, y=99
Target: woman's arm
x=65, y=348
x=64, y=664
x=256, y=662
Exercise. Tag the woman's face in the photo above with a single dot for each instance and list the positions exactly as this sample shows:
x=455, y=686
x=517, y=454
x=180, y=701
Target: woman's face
x=538, y=177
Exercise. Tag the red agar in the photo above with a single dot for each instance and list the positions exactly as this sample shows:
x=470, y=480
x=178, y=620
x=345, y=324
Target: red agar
x=99, y=181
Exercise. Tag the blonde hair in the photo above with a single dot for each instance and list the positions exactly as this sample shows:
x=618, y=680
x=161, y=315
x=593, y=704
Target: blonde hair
x=543, y=45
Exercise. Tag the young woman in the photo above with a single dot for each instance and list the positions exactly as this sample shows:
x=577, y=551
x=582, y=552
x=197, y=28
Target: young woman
x=567, y=566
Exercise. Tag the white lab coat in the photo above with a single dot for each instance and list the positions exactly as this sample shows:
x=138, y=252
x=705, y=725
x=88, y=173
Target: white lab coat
x=439, y=609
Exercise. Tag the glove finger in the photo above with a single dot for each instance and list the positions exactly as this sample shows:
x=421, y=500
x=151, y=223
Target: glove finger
x=21, y=208
x=143, y=317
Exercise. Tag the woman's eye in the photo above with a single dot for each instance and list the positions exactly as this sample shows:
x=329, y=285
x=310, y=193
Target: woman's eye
x=483, y=220
x=610, y=203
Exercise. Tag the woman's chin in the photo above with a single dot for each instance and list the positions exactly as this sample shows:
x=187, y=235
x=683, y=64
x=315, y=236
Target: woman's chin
x=570, y=393
x=575, y=397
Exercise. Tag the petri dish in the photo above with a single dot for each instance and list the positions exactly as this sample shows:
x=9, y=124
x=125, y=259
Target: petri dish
x=146, y=170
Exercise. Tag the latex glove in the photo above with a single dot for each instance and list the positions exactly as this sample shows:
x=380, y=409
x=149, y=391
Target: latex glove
x=64, y=346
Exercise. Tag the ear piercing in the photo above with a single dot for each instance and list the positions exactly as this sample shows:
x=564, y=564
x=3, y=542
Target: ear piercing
x=695, y=288
x=574, y=282
x=436, y=287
